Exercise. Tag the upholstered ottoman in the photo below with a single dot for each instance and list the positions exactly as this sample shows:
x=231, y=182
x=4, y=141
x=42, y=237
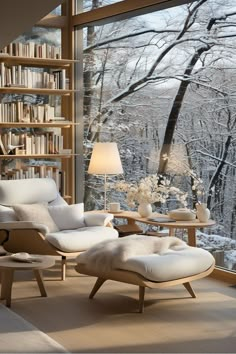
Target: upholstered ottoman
x=145, y=261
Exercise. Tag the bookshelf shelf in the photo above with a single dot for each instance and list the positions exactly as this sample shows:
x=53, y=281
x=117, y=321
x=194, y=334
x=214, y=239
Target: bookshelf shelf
x=53, y=124
x=37, y=62
x=35, y=91
x=45, y=156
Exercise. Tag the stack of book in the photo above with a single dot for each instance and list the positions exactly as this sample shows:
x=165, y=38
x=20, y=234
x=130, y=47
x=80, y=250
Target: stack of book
x=33, y=50
x=39, y=144
x=14, y=112
x=19, y=76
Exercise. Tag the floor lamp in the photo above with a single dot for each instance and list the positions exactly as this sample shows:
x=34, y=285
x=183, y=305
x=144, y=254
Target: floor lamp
x=105, y=160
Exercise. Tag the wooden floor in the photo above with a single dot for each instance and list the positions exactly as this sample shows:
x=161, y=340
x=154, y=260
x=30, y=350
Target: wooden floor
x=172, y=322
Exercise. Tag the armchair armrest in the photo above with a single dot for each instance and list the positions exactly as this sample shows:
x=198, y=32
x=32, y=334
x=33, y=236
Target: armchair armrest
x=17, y=225
x=96, y=219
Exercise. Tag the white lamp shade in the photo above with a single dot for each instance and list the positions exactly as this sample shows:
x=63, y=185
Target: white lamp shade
x=105, y=159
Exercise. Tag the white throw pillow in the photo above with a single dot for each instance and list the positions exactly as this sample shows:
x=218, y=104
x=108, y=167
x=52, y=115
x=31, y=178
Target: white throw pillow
x=68, y=217
x=37, y=213
x=7, y=214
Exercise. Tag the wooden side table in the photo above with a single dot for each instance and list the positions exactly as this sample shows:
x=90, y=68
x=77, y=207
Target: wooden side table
x=191, y=226
x=9, y=265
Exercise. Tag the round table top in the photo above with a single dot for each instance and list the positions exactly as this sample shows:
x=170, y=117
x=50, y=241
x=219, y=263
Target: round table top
x=40, y=262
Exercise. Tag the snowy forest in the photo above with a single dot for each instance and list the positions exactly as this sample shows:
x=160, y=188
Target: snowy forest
x=162, y=86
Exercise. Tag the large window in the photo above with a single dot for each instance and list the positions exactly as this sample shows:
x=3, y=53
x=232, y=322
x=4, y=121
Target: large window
x=162, y=86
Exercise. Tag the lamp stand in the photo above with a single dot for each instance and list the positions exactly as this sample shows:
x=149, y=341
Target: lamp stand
x=105, y=192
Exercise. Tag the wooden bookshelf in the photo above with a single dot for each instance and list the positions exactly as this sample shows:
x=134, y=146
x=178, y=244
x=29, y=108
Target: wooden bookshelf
x=12, y=118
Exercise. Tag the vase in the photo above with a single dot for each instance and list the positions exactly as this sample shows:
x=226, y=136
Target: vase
x=145, y=210
x=203, y=213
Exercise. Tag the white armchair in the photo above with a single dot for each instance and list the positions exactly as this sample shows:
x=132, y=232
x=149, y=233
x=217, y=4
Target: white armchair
x=34, y=218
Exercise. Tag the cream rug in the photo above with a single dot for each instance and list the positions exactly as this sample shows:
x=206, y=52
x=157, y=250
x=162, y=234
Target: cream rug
x=19, y=336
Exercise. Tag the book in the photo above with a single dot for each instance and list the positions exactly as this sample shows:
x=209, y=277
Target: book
x=161, y=219
x=3, y=150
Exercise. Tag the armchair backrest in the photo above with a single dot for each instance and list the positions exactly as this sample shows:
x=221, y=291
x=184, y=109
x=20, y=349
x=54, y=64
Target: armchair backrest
x=27, y=191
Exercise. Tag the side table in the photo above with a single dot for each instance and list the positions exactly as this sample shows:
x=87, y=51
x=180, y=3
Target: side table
x=9, y=265
x=191, y=226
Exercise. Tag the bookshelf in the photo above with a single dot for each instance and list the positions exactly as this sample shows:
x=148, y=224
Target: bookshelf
x=36, y=134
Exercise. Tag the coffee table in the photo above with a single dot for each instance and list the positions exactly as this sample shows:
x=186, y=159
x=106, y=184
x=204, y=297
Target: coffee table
x=8, y=266
x=191, y=226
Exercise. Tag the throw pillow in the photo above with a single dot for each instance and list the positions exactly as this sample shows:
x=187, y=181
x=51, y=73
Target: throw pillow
x=37, y=213
x=68, y=217
x=7, y=214
x=58, y=201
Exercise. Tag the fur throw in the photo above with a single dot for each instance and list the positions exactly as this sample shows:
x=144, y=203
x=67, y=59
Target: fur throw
x=109, y=254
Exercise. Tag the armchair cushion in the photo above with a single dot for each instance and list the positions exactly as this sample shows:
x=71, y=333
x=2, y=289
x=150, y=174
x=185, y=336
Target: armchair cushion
x=7, y=214
x=37, y=213
x=97, y=219
x=81, y=239
x=68, y=217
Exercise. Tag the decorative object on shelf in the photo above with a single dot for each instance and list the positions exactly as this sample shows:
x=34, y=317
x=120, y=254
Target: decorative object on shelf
x=203, y=213
x=145, y=210
x=182, y=214
x=151, y=189
x=105, y=160
x=11, y=148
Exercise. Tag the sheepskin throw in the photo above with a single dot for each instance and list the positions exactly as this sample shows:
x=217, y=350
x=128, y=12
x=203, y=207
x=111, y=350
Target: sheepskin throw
x=109, y=254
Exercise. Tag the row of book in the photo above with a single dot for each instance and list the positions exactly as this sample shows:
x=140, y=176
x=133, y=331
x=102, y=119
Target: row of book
x=19, y=76
x=33, y=50
x=26, y=144
x=14, y=112
x=42, y=171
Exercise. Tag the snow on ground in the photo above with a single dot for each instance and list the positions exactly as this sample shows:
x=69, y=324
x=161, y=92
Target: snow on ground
x=215, y=243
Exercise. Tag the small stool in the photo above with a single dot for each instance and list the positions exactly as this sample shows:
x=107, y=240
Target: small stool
x=8, y=266
x=154, y=270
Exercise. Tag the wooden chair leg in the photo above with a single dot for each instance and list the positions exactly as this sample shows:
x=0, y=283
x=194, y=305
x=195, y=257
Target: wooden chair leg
x=141, y=298
x=63, y=267
x=96, y=287
x=189, y=289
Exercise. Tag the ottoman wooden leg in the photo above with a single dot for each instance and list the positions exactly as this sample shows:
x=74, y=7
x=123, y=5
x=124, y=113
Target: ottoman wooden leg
x=189, y=289
x=96, y=287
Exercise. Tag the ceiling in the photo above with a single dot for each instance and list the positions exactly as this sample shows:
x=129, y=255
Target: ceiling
x=19, y=16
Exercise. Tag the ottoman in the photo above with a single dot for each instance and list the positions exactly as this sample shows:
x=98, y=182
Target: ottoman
x=145, y=261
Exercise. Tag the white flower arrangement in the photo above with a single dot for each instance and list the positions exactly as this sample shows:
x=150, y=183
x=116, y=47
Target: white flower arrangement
x=151, y=189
